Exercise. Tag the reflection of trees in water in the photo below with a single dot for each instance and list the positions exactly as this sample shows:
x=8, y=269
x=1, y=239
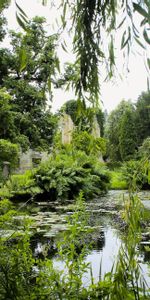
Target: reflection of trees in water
x=145, y=254
x=46, y=247
x=100, y=244
x=43, y=247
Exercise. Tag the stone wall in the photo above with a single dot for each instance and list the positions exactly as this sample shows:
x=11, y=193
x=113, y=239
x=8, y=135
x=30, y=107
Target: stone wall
x=30, y=159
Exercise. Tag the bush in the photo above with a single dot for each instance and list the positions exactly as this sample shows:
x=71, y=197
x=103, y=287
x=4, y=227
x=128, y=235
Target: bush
x=90, y=145
x=9, y=152
x=117, y=181
x=19, y=187
x=61, y=177
x=64, y=176
x=136, y=173
x=144, y=150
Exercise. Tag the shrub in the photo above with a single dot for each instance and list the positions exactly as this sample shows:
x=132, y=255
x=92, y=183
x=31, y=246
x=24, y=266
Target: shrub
x=90, y=145
x=9, y=152
x=64, y=176
x=144, y=150
x=19, y=186
x=60, y=177
x=117, y=181
x=136, y=173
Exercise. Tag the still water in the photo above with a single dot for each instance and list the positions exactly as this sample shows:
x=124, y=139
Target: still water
x=49, y=220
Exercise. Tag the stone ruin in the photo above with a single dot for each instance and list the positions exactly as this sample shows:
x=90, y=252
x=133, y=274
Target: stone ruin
x=95, y=128
x=30, y=159
x=66, y=127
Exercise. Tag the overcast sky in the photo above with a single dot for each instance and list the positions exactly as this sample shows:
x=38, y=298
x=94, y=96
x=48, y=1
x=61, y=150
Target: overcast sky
x=130, y=87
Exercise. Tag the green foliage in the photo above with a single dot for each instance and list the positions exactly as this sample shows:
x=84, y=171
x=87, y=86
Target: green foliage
x=73, y=249
x=117, y=181
x=128, y=282
x=94, y=22
x=121, y=132
x=144, y=150
x=127, y=135
x=19, y=281
x=16, y=261
x=137, y=173
x=142, y=116
x=20, y=186
x=82, y=116
x=127, y=127
x=9, y=152
x=65, y=175
x=61, y=177
x=7, y=126
x=27, y=73
x=86, y=142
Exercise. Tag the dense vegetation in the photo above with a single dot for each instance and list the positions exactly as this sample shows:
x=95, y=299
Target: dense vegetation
x=27, y=68
x=27, y=72
x=127, y=127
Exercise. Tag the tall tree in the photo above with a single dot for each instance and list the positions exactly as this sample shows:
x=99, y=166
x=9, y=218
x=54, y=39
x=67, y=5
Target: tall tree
x=27, y=72
x=120, y=132
x=127, y=134
x=143, y=116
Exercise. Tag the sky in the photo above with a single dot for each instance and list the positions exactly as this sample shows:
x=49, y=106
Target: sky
x=129, y=87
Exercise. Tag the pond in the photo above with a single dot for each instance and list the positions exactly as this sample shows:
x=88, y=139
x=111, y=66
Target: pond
x=49, y=220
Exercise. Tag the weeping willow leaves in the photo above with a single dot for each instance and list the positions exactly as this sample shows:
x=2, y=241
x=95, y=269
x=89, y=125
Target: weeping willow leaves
x=95, y=24
x=21, y=17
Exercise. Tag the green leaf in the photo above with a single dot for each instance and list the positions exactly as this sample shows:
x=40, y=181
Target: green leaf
x=140, y=10
x=57, y=65
x=148, y=62
x=148, y=88
x=64, y=48
x=64, y=10
x=49, y=84
x=146, y=37
x=21, y=22
x=21, y=11
x=138, y=41
x=124, y=41
x=121, y=23
x=22, y=59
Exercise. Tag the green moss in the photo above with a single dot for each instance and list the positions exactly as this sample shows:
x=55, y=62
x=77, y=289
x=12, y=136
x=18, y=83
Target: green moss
x=117, y=182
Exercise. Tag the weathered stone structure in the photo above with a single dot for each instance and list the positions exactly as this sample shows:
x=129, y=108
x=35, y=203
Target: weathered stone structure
x=30, y=159
x=6, y=169
x=67, y=128
x=95, y=128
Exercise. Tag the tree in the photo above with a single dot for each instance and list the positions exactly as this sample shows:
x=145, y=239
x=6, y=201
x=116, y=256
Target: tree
x=27, y=72
x=9, y=152
x=143, y=117
x=7, y=126
x=127, y=135
x=95, y=25
x=120, y=129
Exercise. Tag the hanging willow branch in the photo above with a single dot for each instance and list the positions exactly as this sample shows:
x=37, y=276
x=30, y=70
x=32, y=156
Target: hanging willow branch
x=94, y=24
